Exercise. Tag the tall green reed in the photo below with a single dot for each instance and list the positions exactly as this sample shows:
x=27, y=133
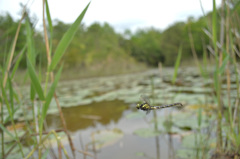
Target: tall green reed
x=40, y=96
x=177, y=64
x=224, y=31
x=224, y=56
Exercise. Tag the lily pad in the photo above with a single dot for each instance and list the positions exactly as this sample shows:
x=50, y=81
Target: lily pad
x=196, y=145
x=105, y=138
x=135, y=115
x=140, y=154
x=146, y=132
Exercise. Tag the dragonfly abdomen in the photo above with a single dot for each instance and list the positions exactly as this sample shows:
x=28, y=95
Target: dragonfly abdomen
x=165, y=106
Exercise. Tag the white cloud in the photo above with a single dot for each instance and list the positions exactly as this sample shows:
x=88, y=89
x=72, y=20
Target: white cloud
x=121, y=14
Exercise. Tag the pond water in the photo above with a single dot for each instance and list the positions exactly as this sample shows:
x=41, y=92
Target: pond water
x=110, y=120
x=102, y=118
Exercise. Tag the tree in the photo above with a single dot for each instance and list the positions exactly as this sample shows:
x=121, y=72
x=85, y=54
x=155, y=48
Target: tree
x=171, y=40
x=146, y=46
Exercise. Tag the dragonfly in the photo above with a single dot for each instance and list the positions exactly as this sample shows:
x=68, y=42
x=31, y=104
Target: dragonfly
x=147, y=107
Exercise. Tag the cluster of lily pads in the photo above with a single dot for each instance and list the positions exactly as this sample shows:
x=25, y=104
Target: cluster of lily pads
x=193, y=91
x=190, y=88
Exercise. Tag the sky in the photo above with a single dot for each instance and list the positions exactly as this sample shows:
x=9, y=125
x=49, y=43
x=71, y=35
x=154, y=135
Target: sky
x=121, y=14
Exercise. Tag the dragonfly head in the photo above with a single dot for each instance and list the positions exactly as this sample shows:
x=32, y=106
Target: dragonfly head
x=138, y=106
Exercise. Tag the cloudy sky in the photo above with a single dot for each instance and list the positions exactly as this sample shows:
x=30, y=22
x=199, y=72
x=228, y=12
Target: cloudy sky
x=121, y=14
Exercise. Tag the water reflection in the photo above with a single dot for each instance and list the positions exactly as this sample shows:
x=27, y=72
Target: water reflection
x=82, y=117
x=106, y=116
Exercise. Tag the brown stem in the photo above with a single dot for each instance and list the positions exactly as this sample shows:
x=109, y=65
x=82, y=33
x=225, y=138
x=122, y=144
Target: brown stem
x=52, y=79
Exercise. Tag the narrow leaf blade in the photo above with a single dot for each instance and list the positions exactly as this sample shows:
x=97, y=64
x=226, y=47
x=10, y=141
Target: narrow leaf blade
x=177, y=64
x=35, y=81
x=66, y=39
x=51, y=93
x=6, y=131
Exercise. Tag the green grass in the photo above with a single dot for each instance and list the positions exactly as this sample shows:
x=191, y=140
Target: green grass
x=40, y=97
x=225, y=57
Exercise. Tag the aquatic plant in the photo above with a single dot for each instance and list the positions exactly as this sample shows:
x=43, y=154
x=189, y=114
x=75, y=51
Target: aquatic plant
x=40, y=96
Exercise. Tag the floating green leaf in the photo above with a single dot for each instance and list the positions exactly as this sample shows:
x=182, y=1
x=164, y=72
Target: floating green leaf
x=147, y=132
x=135, y=115
x=107, y=137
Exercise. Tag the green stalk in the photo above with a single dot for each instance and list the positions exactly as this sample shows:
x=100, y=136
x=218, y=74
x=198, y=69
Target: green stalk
x=236, y=110
x=155, y=119
x=5, y=71
x=177, y=63
x=10, y=112
x=217, y=78
x=48, y=41
x=2, y=120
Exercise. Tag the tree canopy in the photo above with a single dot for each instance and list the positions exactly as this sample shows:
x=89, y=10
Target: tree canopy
x=99, y=44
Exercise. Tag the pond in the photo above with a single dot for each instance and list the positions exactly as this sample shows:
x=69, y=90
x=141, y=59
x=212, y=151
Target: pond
x=103, y=120
x=102, y=117
x=115, y=131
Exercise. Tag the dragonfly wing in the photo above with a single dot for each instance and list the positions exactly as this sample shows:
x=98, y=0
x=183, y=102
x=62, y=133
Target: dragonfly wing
x=145, y=99
x=148, y=111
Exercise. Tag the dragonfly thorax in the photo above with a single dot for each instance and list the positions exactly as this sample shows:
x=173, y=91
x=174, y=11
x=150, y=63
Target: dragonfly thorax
x=144, y=106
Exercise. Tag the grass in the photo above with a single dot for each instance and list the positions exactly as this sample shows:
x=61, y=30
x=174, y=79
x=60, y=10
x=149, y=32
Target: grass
x=40, y=96
x=227, y=132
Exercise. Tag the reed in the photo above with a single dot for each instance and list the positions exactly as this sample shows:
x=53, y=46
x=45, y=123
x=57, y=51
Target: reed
x=224, y=47
x=40, y=96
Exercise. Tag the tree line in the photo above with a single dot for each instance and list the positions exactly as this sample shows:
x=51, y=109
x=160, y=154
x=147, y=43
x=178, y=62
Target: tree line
x=99, y=43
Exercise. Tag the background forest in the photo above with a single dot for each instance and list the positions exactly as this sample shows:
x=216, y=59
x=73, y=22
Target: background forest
x=99, y=47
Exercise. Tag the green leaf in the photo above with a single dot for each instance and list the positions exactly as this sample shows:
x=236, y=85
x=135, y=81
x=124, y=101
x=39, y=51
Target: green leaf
x=177, y=64
x=45, y=154
x=105, y=138
x=224, y=63
x=4, y=95
x=11, y=94
x=48, y=16
x=147, y=132
x=6, y=131
x=31, y=57
x=214, y=23
x=236, y=6
x=199, y=116
x=205, y=65
x=51, y=93
x=238, y=140
x=135, y=115
x=7, y=62
x=66, y=39
x=20, y=55
x=7, y=119
x=35, y=81
x=49, y=19
x=30, y=45
x=32, y=92
x=216, y=80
